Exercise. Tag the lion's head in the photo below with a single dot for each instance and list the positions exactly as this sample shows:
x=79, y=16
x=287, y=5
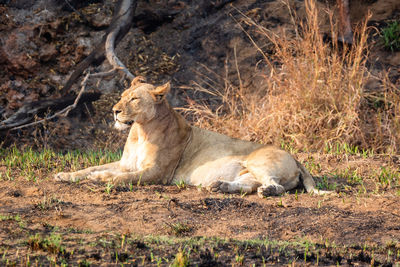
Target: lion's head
x=138, y=103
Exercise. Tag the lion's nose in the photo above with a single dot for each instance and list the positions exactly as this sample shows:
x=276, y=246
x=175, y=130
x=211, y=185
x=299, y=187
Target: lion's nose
x=116, y=111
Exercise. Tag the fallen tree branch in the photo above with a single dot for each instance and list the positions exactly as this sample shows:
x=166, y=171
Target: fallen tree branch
x=38, y=108
x=120, y=25
x=62, y=113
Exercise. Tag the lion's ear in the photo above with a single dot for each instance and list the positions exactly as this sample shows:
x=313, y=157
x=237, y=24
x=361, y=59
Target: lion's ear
x=138, y=80
x=160, y=92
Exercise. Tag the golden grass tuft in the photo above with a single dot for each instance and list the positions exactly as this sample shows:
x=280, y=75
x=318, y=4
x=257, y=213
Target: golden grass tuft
x=314, y=95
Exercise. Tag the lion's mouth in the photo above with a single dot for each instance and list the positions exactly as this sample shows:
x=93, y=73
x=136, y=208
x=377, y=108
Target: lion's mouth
x=126, y=122
x=122, y=125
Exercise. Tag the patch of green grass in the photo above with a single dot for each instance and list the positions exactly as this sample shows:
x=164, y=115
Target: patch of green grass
x=312, y=166
x=391, y=36
x=6, y=176
x=48, y=203
x=388, y=176
x=84, y=263
x=16, y=218
x=34, y=164
x=116, y=249
x=324, y=184
x=289, y=147
x=353, y=177
x=155, y=259
x=179, y=228
x=344, y=148
x=52, y=243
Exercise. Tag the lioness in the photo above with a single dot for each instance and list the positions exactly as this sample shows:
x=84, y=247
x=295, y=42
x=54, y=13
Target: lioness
x=163, y=148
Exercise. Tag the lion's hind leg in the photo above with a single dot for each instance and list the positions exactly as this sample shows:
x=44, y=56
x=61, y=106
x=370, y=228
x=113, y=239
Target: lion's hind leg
x=270, y=187
x=245, y=183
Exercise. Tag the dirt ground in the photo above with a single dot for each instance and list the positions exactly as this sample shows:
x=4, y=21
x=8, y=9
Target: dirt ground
x=345, y=227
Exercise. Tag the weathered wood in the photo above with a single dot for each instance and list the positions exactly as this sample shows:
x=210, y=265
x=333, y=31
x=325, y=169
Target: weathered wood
x=28, y=112
x=119, y=27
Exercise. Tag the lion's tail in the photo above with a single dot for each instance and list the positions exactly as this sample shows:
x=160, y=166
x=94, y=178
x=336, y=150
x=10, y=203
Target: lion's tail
x=308, y=181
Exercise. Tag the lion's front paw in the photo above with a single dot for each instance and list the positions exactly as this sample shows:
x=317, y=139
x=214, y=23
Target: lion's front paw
x=100, y=176
x=63, y=176
x=270, y=190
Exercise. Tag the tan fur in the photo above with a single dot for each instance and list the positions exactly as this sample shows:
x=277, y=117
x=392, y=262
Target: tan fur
x=163, y=148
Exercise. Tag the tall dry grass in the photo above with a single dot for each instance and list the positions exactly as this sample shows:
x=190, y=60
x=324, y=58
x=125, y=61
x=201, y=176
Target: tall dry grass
x=314, y=94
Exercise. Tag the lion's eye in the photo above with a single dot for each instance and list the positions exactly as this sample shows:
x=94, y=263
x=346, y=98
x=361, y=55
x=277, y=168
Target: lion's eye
x=133, y=98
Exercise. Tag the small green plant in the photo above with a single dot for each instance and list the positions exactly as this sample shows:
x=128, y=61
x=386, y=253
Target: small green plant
x=354, y=177
x=6, y=176
x=123, y=240
x=51, y=244
x=157, y=260
x=239, y=259
x=306, y=251
x=108, y=188
x=140, y=180
x=179, y=228
x=312, y=166
x=391, y=36
x=181, y=259
x=323, y=183
x=181, y=184
x=16, y=218
x=388, y=177
x=48, y=203
x=289, y=146
x=280, y=203
x=242, y=193
x=84, y=263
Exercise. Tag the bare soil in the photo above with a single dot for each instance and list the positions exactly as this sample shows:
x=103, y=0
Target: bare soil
x=145, y=222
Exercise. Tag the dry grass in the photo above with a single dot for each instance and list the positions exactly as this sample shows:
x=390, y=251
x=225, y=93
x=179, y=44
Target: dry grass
x=382, y=119
x=315, y=94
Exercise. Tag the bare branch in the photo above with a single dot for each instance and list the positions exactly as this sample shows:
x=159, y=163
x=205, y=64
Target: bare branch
x=64, y=112
x=103, y=74
x=28, y=112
